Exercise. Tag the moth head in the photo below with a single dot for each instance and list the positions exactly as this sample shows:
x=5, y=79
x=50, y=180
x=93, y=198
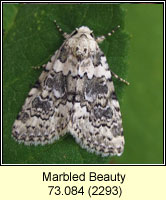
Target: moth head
x=82, y=42
x=84, y=31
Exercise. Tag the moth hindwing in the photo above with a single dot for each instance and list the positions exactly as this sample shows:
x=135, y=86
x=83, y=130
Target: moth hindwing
x=75, y=93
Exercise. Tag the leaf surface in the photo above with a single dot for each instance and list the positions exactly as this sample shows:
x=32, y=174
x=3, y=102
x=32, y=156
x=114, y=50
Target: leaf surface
x=31, y=39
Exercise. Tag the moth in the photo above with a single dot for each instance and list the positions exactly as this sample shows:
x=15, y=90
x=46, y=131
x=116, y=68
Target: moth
x=74, y=93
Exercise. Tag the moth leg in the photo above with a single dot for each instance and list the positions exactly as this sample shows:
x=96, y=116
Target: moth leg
x=100, y=39
x=119, y=78
x=48, y=66
x=65, y=35
x=39, y=67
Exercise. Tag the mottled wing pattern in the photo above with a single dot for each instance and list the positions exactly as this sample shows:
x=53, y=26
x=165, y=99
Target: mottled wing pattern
x=96, y=122
x=75, y=94
x=45, y=114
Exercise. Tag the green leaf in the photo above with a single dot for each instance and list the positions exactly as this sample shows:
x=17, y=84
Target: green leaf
x=9, y=13
x=31, y=39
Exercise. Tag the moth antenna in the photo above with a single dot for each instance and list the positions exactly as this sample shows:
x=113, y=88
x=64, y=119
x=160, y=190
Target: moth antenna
x=102, y=38
x=65, y=35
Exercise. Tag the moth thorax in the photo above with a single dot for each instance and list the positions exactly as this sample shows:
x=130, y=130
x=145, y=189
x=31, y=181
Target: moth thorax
x=81, y=48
